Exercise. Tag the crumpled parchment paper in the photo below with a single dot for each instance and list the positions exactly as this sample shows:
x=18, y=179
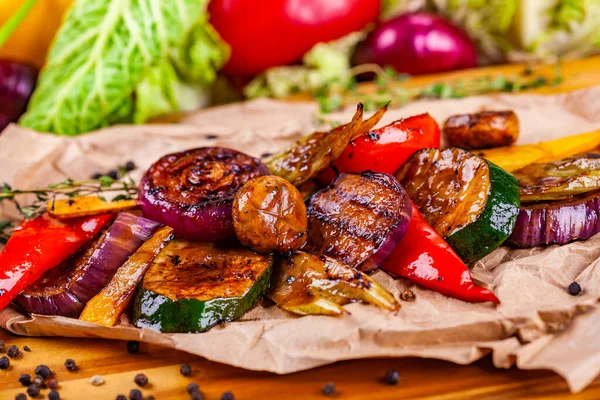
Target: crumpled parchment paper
x=538, y=325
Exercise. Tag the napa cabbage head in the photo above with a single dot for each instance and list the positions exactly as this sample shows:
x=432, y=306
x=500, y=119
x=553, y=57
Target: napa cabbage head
x=116, y=61
x=518, y=30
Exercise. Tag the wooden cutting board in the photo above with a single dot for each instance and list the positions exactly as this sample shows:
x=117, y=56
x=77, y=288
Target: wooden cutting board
x=359, y=379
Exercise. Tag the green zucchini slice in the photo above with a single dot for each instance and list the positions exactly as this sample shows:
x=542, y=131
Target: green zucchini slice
x=192, y=286
x=469, y=201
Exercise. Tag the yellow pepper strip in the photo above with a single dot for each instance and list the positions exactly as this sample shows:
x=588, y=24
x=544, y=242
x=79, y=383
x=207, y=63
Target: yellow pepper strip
x=31, y=39
x=512, y=158
x=87, y=206
x=107, y=306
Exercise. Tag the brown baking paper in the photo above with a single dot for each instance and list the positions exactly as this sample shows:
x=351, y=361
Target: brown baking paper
x=538, y=325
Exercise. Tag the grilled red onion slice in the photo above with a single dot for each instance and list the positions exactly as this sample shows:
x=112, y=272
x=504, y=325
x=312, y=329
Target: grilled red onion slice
x=557, y=222
x=65, y=289
x=359, y=219
x=193, y=191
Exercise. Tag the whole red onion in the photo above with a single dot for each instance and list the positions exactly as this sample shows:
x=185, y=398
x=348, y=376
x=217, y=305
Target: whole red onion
x=418, y=43
x=17, y=82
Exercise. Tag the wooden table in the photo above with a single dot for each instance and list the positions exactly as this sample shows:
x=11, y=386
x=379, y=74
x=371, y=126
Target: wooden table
x=420, y=378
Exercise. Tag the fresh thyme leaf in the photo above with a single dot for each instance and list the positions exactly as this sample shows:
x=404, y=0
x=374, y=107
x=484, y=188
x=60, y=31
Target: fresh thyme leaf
x=66, y=182
x=121, y=197
x=390, y=71
x=106, y=181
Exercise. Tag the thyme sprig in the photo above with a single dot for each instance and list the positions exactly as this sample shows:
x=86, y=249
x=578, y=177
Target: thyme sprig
x=124, y=185
x=333, y=96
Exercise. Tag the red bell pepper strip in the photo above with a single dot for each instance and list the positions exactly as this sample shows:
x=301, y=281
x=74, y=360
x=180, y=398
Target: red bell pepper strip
x=424, y=257
x=386, y=149
x=40, y=244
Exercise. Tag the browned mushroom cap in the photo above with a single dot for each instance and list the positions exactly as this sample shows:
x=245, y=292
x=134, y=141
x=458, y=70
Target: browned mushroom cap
x=482, y=130
x=269, y=215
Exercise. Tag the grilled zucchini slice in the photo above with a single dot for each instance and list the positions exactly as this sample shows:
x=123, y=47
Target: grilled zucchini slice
x=469, y=201
x=192, y=286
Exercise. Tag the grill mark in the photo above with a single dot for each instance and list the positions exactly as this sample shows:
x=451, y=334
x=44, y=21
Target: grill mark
x=349, y=227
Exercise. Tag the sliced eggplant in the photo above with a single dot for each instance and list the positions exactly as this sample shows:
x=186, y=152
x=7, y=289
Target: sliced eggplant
x=191, y=286
x=309, y=284
x=558, y=222
x=269, y=215
x=65, y=289
x=559, y=180
x=359, y=219
x=193, y=191
x=482, y=130
x=469, y=201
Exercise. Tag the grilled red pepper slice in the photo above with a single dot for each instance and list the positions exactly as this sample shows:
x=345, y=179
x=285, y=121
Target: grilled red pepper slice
x=423, y=257
x=40, y=244
x=386, y=149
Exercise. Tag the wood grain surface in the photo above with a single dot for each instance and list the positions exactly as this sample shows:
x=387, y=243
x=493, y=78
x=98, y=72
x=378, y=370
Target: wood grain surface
x=361, y=379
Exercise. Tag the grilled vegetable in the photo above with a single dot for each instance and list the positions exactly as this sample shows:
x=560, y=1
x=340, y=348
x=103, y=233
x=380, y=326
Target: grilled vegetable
x=512, y=158
x=557, y=222
x=359, y=219
x=40, y=244
x=559, y=180
x=87, y=205
x=269, y=215
x=313, y=153
x=469, y=201
x=192, y=286
x=193, y=191
x=308, y=284
x=64, y=290
x=425, y=258
x=107, y=306
x=482, y=130
x=386, y=149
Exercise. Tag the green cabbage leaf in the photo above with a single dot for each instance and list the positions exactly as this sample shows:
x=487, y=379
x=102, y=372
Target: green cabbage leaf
x=118, y=61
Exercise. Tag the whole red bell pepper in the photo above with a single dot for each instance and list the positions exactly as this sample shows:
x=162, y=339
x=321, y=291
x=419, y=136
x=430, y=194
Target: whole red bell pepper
x=40, y=244
x=268, y=33
x=386, y=149
x=424, y=257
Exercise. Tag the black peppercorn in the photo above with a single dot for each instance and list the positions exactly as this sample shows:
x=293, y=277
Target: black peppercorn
x=70, y=364
x=25, y=379
x=185, y=369
x=33, y=390
x=150, y=397
x=192, y=387
x=4, y=362
x=574, y=289
x=121, y=397
x=21, y=396
x=133, y=346
x=141, y=380
x=52, y=383
x=39, y=380
x=26, y=348
x=391, y=377
x=196, y=396
x=135, y=394
x=130, y=166
x=328, y=389
x=2, y=349
x=13, y=351
x=227, y=396
x=113, y=174
x=43, y=371
x=53, y=395
x=96, y=175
